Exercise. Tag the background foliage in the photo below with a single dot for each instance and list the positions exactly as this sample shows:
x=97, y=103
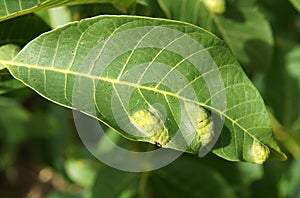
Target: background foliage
x=42, y=156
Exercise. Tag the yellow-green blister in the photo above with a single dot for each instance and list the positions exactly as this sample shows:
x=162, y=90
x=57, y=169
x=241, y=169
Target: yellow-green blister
x=204, y=127
x=202, y=123
x=259, y=152
x=150, y=124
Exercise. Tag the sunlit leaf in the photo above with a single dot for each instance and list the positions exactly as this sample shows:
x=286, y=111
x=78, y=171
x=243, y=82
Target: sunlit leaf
x=243, y=28
x=13, y=8
x=7, y=82
x=200, y=181
x=111, y=67
x=82, y=172
x=8, y=52
x=296, y=4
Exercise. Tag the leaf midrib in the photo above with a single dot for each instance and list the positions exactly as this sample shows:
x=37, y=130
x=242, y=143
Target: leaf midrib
x=115, y=81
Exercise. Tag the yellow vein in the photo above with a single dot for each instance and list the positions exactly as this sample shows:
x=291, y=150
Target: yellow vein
x=5, y=6
x=149, y=65
x=172, y=112
x=242, y=103
x=101, y=51
x=179, y=63
x=20, y=5
x=133, y=50
x=45, y=80
x=94, y=97
x=114, y=81
x=122, y=104
x=76, y=48
x=56, y=50
x=235, y=139
x=65, y=88
x=250, y=115
x=40, y=52
x=226, y=88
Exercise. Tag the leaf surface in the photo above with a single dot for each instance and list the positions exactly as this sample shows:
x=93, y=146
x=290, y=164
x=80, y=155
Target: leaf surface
x=13, y=8
x=200, y=181
x=7, y=82
x=242, y=26
x=111, y=67
x=16, y=30
x=296, y=4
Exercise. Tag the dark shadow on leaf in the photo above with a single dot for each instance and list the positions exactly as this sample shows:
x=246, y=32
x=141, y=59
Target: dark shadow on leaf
x=234, y=14
x=21, y=30
x=223, y=139
x=259, y=55
x=282, y=91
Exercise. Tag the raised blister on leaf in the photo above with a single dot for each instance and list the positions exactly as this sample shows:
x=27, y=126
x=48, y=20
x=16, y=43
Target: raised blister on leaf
x=216, y=6
x=202, y=123
x=90, y=69
x=204, y=127
x=259, y=152
x=150, y=124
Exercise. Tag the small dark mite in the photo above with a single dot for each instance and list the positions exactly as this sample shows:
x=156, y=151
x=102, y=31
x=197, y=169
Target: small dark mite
x=158, y=144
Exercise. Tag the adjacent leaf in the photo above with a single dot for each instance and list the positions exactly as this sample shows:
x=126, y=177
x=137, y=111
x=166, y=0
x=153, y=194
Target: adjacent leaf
x=8, y=52
x=296, y=4
x=293, y=71
x=82, y=172
x=199, y=181
x=285, y=76
x=13, y=8
x=7, y=82
x=59, y=16
x=244, y=29
x=115, y=183
x=12, y=121
x=166, y=182
x=110, y=67
x=291, y=180
x=21, y=30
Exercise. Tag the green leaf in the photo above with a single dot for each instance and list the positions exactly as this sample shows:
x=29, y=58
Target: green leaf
x=59, y=16
x=7, y=83
x=244, y=29
x=293, y=71
x=291, y=180
x=115, y=183
x=16, y=30
x=111, y=67
x=8, y=52
x=13, y=8
x=296, y=4
x=12, y=121
x=285, y=76
x=82, y=172
x=199, y=181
